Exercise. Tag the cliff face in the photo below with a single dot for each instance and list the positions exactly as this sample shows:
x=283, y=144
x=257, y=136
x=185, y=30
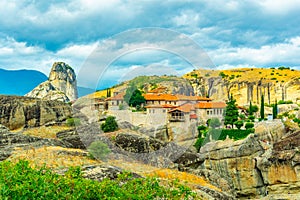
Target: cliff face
x=257, y=166
x=61, y=84
x=247, y=84
x=18, y=112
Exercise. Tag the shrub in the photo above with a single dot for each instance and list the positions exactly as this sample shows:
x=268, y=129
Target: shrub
x=20, y=181
x=201, y=130
x=251, y=117
x=223, y=75
x=199, y=143
x=239, y=124
x=273, y=78
x=109, y=125
x=73, y=121
x=98, y=150
x=242, y=116
x=249, y=125
x=285, y=102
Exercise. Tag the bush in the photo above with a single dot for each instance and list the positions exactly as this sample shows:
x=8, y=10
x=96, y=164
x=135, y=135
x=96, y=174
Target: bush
x=20, y=181
x=239, y=124
x=251, y=118
x=109, y=125
x=285, y=102
x=249, y=125
x=98, y=150
x=201, y=130
x=73, y=122
x=199, y=143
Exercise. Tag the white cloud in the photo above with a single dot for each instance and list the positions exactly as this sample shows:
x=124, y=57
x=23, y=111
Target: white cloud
x=285, y=53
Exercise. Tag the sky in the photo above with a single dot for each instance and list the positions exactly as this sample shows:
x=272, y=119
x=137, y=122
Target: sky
x=231, y=34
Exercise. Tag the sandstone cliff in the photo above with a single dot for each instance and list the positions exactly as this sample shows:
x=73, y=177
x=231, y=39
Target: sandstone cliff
x=265, y=164
x=247, y=84
x=19, y=112
x=61, y=84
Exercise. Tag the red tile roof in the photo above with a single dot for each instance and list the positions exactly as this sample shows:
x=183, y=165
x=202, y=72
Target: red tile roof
x=119, y=96
x=161, y=106
x=160, y=97
x=171, y=97
x=184, y=108
x=210, y=105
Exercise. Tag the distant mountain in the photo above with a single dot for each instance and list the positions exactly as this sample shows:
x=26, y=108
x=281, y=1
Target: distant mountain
x=20, y=82
x=83, y=91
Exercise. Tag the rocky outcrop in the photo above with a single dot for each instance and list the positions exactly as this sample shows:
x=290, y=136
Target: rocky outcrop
x=9, y=141
x=71, y=137
x=22, y=112
x=61, y=85
x=252, y=167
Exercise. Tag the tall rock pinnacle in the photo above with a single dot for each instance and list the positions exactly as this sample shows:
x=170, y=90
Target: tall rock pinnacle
x=61, y=84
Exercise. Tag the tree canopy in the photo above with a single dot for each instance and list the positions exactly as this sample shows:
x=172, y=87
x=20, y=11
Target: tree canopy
x=231, y=112
x=134, y=97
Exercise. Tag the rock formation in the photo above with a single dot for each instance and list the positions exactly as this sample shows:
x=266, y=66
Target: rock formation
x=21, y=112
x=61, y=84
x=262, y=165
x=247, y=84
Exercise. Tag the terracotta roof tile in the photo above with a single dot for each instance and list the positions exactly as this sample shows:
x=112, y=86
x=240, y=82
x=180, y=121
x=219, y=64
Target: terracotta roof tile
x=184, y=108
x=211, y=105
x=119, y=96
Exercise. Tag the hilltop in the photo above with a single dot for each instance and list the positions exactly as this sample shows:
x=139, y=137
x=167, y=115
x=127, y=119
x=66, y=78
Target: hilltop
x=247, y=84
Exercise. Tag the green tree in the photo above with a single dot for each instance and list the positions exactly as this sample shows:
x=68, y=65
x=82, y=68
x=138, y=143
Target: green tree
x=134, y=97
x=239, y=124
x=231, y=112
x=109, y=125
x=262, y=107
x=214, y=122
x=275, y=110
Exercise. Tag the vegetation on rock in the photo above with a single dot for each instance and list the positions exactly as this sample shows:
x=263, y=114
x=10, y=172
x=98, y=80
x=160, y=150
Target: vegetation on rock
x=20, y=180
x=109, y=125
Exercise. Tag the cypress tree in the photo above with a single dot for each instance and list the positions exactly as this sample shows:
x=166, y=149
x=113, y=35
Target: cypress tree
x=231, y=112
x=262, y=107
x=275, y=108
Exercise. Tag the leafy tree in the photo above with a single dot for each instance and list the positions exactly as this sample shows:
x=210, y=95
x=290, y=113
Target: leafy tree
x=109, y=125
x=231, y=112
x=214, y=122
x=239, y=124
x=134, y=97
x=275, y=110
x=262, y=107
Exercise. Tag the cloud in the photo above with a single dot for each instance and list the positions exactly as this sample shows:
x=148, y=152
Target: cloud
x=276, y=54
x=34, y=34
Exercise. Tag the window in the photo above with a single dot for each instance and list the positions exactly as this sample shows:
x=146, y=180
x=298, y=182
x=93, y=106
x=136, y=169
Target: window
x=207, y=112
x=164, y=110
